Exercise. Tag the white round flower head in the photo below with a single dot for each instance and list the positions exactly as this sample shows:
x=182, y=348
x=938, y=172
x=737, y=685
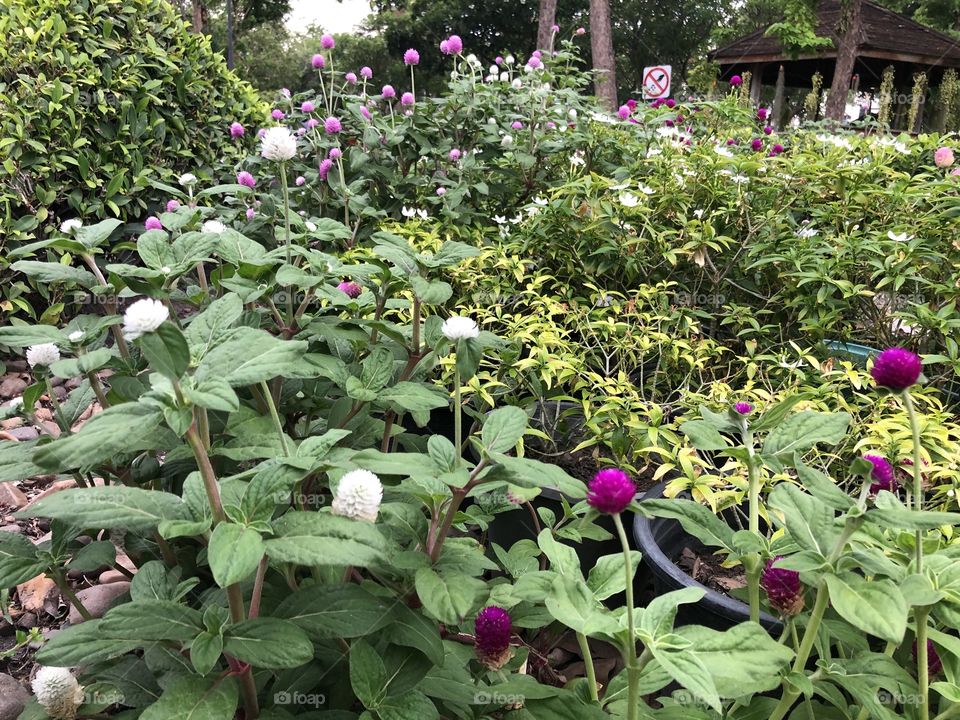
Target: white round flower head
x=311, y=227
x=144, y=316
x=213, y=226
x=494, y=70
x=517, y=84
x=188, y=180
x=278, y=144
x=358, y=496
x=75, y=336
x=507, y=140
x=572, y=113
x=166, y=270
x=510, y=60
x=44, y=354
x=504, y=76
x=58, y=691
x=456, y=327
x=68, y=227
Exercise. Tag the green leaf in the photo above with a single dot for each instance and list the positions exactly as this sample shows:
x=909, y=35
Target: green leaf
x=268, y=642
x=195, y=698
x=659, y=615
x=413, y=704
x=309, y=538
x=345, y=611
x=234, y=553
x=804, y=430
x=823, y=488
x=19, y=336
x=52, y=273
x=166, y=350
x=571, y=602
x=93, y=236
x=205, y=651
x=441, y=451
x=18, y=560
x=83, y=644
x=411, y=629
x=91, y=557
x=888, y=511
x=449, y=598
x=810, y=522
x=148, y=620
x=109, y=507
x=563, y=558
x=703, y=435
x=377, y=369
x=213, y=394
x=413, y=397
x=607, y=578
x=208, y=327
x=16, y=461
x=247, y=356
x=687, y=669
x=503, y=429
x=368, y=676
x=876, y=607
x=527, y=473
x=695, y=519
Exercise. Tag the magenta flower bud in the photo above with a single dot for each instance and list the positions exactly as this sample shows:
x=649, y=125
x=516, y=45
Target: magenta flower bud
x=670, y=103
x=454, y=44
x=611, y=491
x=454, y=155
x=351, y=78
x=445, y=47
x=441, y=191
x=366, y=113
x=934, y=664
x=334, y=153
x=407, y=99
x=153, y=223
x=744, y=408
x=492, y=645
x=756, y=144
x=327, y=42
x=896, y=368
x=783, y=588
x=350, y=288
x=736, y=81
x=632, y=104
x=324, y=168
x=498, y=60
x=581, y=31
x=623, y=112
x=388, y=91
x=731, y=141
x=882, y=474
x=300, y=181
x=411, y=57
x=246, y=179
x=535, y=62
x=173, y=205
x=251, y=213
x=366, y=73
x=318, y=61
x=332, y=125
x=236, y=130
x=767, y=130
x=516, y=125
x=762, y=114
x=669, y=123
x=777, y=149
x=301, y=132
x=312, y=123
x=307, y=107
x=277, y=114
x=261, y=132
x=679, y=117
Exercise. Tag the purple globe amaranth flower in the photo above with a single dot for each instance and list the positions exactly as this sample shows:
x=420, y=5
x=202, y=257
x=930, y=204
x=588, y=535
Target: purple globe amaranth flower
x=454, y=44
x=251, y=213
x=441, y=191
x=581, y=31
x=611, y=491
x=332, y=125
x=882, y=474
x=516, y=125
x=744, y=408
x=277, y=114
x=324, y=168
x=554, y=28
x=762, y=114
x=173, y=205
x=445, y=47
x=388, y=91
x=492, y=645
x=783, y=588
x=454, y=155
x=335, y=153
x=153, y=223
x=670, y=103
x=300, y=181
x=312, y=123
x=351, y=78
x=934, y=664
x=246, y=179
x=407, y=99
x=318, y=61
x=756, y=144
x=896, y=368
x=731, y=141
x=261, y=133
x=236, y=130
x=411, y=57
x=623, y=112
x=777, y=149
x=350, y=289
x=767, y=130
x=943, y=157
x=327, y=42
x=535, y=62
x=366, y=73
x=307, y=107
x=366, y=113
x=736, y=81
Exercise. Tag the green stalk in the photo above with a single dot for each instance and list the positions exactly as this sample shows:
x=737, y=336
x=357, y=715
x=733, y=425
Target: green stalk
x=70, y=595
x=917, y=479
x=923, y=671
x=286, y=223
x=57, y=410
x=588, y=664
x=275, y=416
x=457, y=420
x=799, y=664
x=97, y=389
x=752, y=561
x=633, y=669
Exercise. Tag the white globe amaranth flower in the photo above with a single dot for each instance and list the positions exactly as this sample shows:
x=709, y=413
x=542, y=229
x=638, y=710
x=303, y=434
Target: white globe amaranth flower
x=58, y=691
x=358, y=496
x=68, y=227
x=510, y=60
x=507, y=140
x=517, y=83
x=457, y=327
x=213, y=226
x=75, y=336
x=188, y=180
x=144, y=316
x=504, y=76
x=44, y=354
x=278, y=144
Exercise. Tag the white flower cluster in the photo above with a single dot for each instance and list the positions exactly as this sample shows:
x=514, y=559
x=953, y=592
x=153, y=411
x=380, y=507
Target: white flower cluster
x=358, y=496
x=144, y=316
x=278, y=144
x=412, y=212
x=213, y=226
x=45, y=354
x=456, y=328
x=68, y=227
x=58, y=691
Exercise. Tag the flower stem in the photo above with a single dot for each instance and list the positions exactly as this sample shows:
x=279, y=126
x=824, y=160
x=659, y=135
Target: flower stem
x=588, y=664
x=752, y=562
x=111, y=308
x=917, y=475
x=633, y=669
x=809, y=637
x=457, y=419
x=923, y=670
x=275, y=416
x=70, y=595
x=97, y=389
x=286, y=224
x=57, y=410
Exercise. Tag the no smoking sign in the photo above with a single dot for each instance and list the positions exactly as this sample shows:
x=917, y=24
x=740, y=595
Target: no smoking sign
x=656, y=82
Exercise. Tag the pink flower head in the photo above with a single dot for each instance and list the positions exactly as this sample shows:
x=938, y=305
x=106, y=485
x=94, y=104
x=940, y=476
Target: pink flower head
x=312, y=123
x=445, y=47
x=441, y=191
x=327, y=42
x=882, y=474
x=366, y=73
x=350, y=289
x=251, y=213
x=943, y=157
x=277, y=114
x=670, y=103
x=388, y=91
x=535, y=62
x=153, y=223
x=351, y=78
x=493, y=628
x=731, y=141
x=301, y=132
x=324, y=168
x=173, y=205
x=955, y=171
x=246, y=179
x=334, y=153
x=498, y=60
x=744, y=408
x=896, y=368
x=934, y=663
x=454, y=155
x=783, y=588
x=656, y=104
x=365, y=113
x=762, y=114
x=756, y=144
x=300, y=181
x=611, y=491
x=307, y=107
x=679, y=117
x=767, y=130
x=551, y=125
x=236, y=130
x=581, y=31
x=668, y=123
x=261, y=132
x=407, y=99
x=332, y=125
x=736, y=81
x=516, y=125
x=454, y=44
x=318, y=61
x=777, y=149
x=554, y=28
x=632, y=104
x=411, y=57
x=624, y=112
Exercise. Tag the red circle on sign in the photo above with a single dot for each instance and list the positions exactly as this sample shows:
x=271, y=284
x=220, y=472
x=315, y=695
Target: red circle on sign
x=654, y=86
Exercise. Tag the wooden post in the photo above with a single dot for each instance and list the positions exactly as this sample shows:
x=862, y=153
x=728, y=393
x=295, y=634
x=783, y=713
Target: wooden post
x=778, y=99
x=756, y=84
x=850, y=30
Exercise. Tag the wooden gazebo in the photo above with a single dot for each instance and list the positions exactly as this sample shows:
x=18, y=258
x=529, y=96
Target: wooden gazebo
x=874, y=38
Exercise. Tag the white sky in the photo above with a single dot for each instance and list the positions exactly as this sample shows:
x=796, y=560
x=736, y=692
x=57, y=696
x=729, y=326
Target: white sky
x=333, y=16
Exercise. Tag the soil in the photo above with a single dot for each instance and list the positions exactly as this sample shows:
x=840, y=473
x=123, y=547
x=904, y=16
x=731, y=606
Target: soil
x=707, y=569
x=583, y=466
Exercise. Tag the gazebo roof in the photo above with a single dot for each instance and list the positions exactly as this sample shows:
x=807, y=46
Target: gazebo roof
x=885, y=35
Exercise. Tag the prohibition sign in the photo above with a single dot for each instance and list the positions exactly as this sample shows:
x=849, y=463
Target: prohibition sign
x=656, y=82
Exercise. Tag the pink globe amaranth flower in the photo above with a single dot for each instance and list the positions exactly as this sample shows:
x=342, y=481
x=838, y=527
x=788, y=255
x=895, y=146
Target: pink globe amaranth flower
x=324, y=168
x=783, y=588
x=777, y=149
x=934, y=664
x=251, y=213
x=334, y=153
x=611, y=491
x=516, y=125
x=896, y=368
x=312, y=123
x=236, y=130
x=955, y=171
x=632, y=104
x=366, y=113
x=307, y=107
x=411, y=57
x=535, y=62
x=350, y=289
x=767, y=130
x=492, y=645
x=351, y=78
x=366, y=73
x=246, y=179
x=441, y=191
x=679, y=117
x=756, y=144
x=318, y=61
x=407, y=99
x=173, y=205
x=731, y=141
x=670, y=103
x=882, y=474
x=762, y=114
x=744, y=408
x=581, y=31
x=388, y=91
x=332, y=125
x=551, y=125
x=445, y=47
x=327, y=42
x=736, y=81
x=623, y=112
x=454, y=155
x=943, y=157
x=277, y=114
x=669, y=123
x=536, y=54
x=153, y=223
x=498, y=60
x=301, y=132
x=454, y=44
x=261, y=132
x=300, y=181
x=554, y=28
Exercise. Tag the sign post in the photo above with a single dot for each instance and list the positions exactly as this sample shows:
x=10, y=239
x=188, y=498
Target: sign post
x=656, y=82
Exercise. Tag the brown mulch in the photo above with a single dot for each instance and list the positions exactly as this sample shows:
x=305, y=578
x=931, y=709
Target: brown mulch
x=707, y=569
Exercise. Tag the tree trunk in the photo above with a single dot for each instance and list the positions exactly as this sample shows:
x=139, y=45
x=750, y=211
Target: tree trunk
x=778, y=100
x=601, y=45
x=198, y=16
x=546, y=19
x=846, y=58
x=230, y=34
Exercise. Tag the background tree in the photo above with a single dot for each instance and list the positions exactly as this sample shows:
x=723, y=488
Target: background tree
x=545, y=21
x=601, y=45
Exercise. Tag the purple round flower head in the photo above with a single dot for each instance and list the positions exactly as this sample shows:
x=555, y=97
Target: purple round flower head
x=332, y=125
x=153, y=223
x=882, y=474
x=388, y=91
x=318, y=61
x=301, y=132
x=731, y=141
x=554, y=28
x=516, y=125
x=441, y=191
x=261, y=132
x=670, y=102
x=777, y=149
x=623, y=112
x=277, y=114
x=896, y=368
x=783, y=588
x=551, y=125
x=324, y=168
x=366, y=73
x=492, y=644
x=744, y=408
x=679, y=117
x=251, y=213
x=934, y=664
x=246, y=179
x=632, y=104
x=498, y=60
x=445, y=47
x=351, y=78
x=307, y=107
x=767, y=130
x=581, y=31
x=300, y=181
x=762, y=114
x=454, y=155
x=756, y=144
x=411, y=57
x=334, y=153
x=454, y=44
x=285, y=92
x=407, y=99
x=327, y=42
x=173, y=205
x=536, y=54
x=535, y=62
x=312, y=123
x=611, y=491
x=350, y=289
x=736, y=81
x=236, y=130
x=365, y=113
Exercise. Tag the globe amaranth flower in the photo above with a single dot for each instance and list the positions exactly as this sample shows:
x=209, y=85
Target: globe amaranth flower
x=777, y=149
x=318, y=61
x=351, y=289
x=332, y=125
x=153, y=223
x=188, y=180
x=762, y=114
x=445, y=47
x=246, y=179
x=407, y=99
x=144, y=316
x=277, y=114
x=251, y=213
x=506, y=140
x=934, y=664
x=44, y=354
x=882, y=474
x=278, y=144
x=736, y=81
x=335, y=153
x=411, y=57
x=388, y=91
x=366, y=73
x=327, y=42
x=358, y=496
x=214, y=227
x=324, y=168
x=307, y=107
x=300, y=181
x=311, y=123
x=173, y=205
x=623, y=112
x=756, y=144
x=236, y=130
x=441, y=191
x=492, y=644
x=744, y=408
x=351, y=78
x=457, y=327
x=611, y=491
x=68, y=227
x=896, y=368
x=554, y=28
x=454, y=155
x=783, y=588
x=454, y=44
x=366, y=113
x=535, y=62
x=76, y=336
x=516, y=125
x=58, y=691
x=943, y=157
x=581, y=31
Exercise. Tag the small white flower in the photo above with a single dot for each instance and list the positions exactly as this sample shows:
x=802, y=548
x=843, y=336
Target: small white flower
x=510, y=60
x=516, y=84
x=68, y=227
x=358, y=496
x=723, y=151
x=44, y=354
x=311, y=227
x=807, y=232
x=166, y=270
x=58, y=691
x=541, y=201
x=577, y=159
x=278, y=144
x=285, y=92
x=646, y=189
x=899, y=237
x=423, y=214
x=740, y=179
x=408, y=212
x=901, y=148
x=213, y=226
x=517, y=220
x=472, y=59
x=528, y=69
x=457, y=327
x=629, y=199
x=494, y=70
x=499, y=219
x=667, y=131
x=75, y=336
x=491, y=121
x=507, y=140
x=698, y=213
x=572, y=113
x=188, y=180
x=504, y=76
x=654, y=151
x=144, y=316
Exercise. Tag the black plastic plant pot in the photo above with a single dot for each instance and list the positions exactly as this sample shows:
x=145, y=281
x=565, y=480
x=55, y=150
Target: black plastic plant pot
x=661, y=540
